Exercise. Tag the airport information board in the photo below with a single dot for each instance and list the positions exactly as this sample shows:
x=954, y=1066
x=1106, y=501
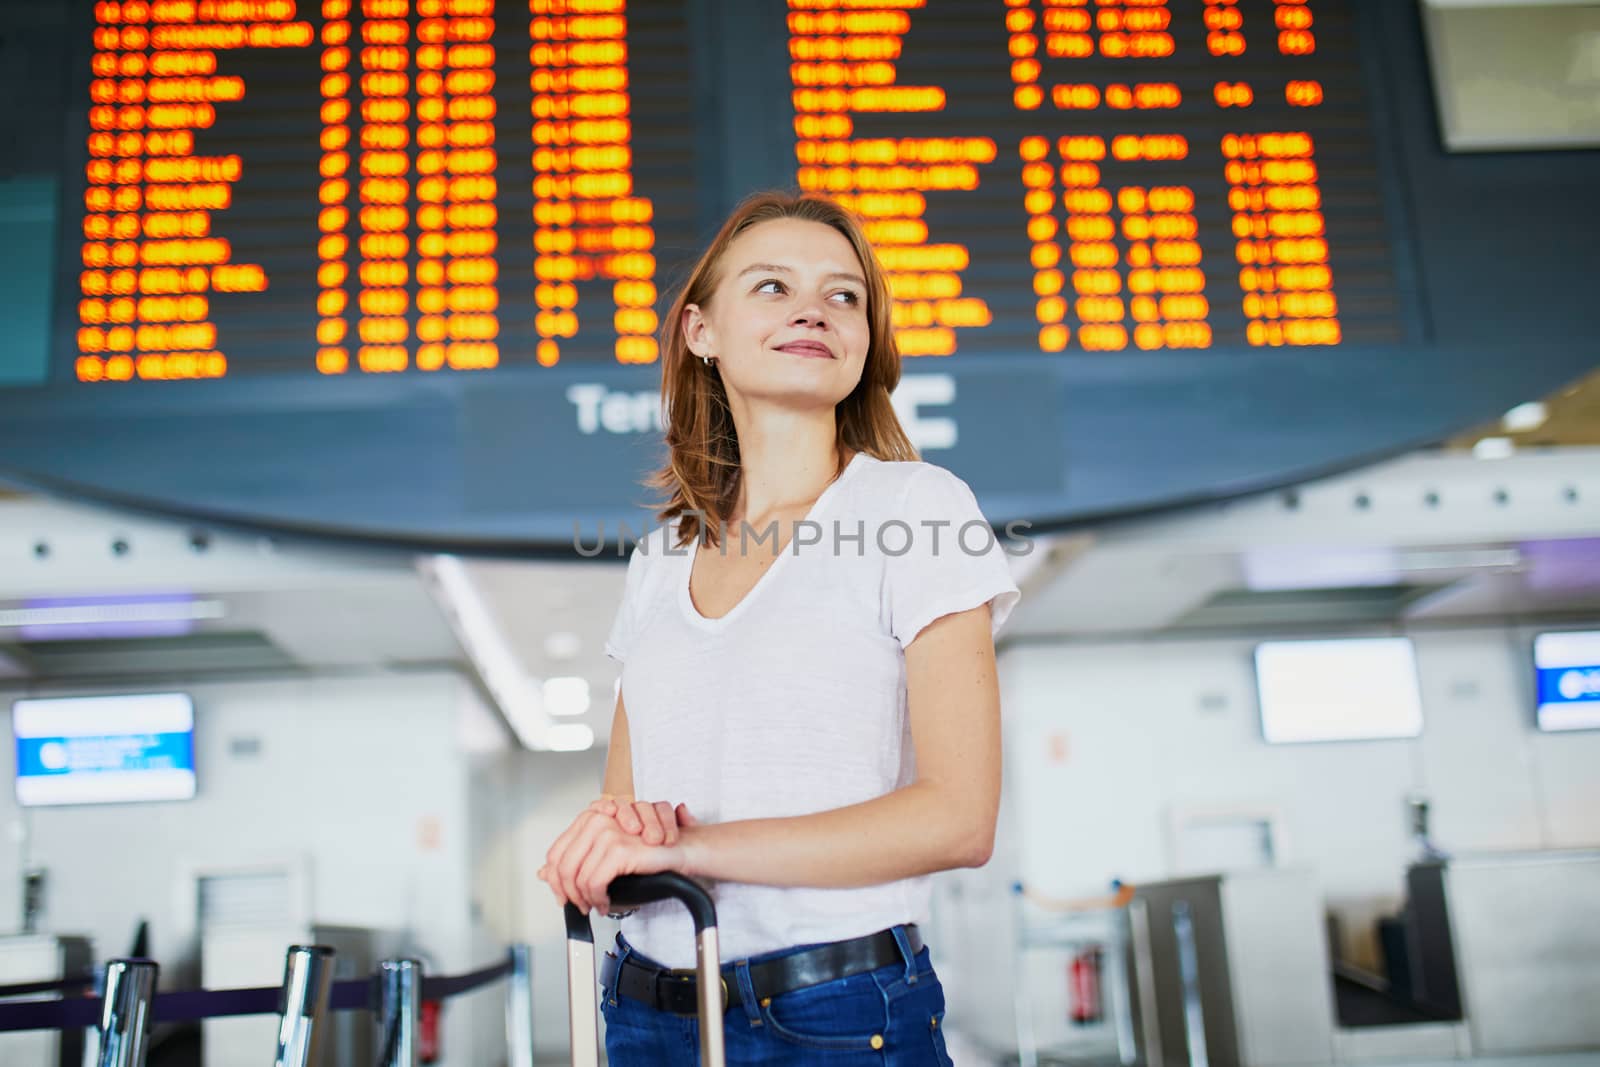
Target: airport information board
x=396, y=268
x=381, y=186
x=374, y=186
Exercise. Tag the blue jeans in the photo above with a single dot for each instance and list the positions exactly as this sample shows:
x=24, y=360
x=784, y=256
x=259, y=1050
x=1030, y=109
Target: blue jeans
x=891, y=1017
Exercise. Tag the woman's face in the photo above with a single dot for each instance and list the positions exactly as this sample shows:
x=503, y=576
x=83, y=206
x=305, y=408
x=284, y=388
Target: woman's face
x=788, y=318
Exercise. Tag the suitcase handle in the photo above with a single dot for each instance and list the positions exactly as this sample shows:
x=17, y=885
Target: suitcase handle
x=632, y=891
x=636, y=890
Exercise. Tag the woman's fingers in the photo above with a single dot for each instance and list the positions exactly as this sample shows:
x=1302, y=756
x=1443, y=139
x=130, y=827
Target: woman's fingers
x=606, y=807
x=668, y=821
x=627, y=817
x=552, y=859
x=594, y=880
x=646, y=823
x=650, y=819
x=562, y=871
x=566, y=871
x=615, y=854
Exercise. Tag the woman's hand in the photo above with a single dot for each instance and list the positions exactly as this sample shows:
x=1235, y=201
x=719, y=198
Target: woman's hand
x=612, y=837
x=655, y=824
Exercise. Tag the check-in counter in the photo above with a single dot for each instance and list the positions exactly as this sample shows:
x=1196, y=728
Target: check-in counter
x=1232, y=971
x=1525, y=929
x=42, y=958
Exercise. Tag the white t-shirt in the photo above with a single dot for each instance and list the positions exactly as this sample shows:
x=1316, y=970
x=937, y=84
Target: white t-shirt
x=795, y=701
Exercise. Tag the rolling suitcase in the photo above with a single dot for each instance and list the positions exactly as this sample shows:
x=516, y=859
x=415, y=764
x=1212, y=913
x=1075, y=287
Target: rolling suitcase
x=632, y=891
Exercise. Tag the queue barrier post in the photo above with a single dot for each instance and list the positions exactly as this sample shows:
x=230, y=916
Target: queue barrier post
x=122, y=1017
x=125, y=1013
x=307, y=978
x=519, y=1008
x=399, y=1009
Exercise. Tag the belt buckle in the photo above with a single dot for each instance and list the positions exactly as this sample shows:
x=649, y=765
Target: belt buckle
x=693, y=975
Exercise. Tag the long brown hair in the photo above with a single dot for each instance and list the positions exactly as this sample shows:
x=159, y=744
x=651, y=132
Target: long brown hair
x=701, y=474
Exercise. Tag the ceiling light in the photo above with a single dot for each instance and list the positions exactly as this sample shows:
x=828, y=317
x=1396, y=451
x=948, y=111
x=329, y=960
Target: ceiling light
x=1525, y=417
x=65, y=618
x=1493, y=448
x=566, y=696
x=569, y=737
x=1458, y=559
x=486, y=646
x=1273, y=569
x=520, y=702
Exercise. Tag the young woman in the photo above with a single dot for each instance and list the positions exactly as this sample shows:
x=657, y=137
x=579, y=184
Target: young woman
x=809, y=707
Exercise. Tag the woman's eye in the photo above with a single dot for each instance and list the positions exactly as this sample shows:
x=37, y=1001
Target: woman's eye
x=843, y=296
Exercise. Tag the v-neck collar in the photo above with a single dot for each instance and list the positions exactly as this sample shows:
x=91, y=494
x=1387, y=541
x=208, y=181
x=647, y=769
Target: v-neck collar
x=686, y=599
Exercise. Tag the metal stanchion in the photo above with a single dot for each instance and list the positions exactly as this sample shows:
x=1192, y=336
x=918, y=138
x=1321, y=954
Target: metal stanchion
x=519, y=1008
x=399, y=1008
x=1144, y=980
x=125, y=1015
x=307, y=977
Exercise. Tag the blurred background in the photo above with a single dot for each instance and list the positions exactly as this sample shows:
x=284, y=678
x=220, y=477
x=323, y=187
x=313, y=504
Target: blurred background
x=330, y=378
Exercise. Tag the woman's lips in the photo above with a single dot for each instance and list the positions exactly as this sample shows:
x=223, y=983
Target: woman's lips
x=811, y=349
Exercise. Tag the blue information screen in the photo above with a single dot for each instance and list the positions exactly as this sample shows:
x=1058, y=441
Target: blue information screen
x=104, y=750
x=1568, y=669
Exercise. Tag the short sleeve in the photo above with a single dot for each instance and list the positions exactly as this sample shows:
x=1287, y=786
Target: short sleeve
x=952, y=560
x=619, y=643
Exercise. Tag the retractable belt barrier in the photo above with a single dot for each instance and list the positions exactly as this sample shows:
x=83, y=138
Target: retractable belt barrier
x=126, y=1006
x=55, y=985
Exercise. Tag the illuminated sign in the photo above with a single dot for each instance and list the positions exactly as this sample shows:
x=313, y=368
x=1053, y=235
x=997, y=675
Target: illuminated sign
x=151, y=257
x=1148, y=176
x=1567, y=668
x=104, y=750
x=591, y=223
x=397, y=267
x=1167, y=203
x=405, y=236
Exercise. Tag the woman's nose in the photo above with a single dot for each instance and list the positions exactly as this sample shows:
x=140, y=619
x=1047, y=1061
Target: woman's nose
x=809, y=315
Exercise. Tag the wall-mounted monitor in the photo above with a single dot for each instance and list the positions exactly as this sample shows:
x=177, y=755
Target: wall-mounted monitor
x=1351, y=689
x=104, y=750
x=1567, y=665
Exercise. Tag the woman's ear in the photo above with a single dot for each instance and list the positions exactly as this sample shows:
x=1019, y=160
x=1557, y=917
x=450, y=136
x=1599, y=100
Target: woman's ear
x=696, y=331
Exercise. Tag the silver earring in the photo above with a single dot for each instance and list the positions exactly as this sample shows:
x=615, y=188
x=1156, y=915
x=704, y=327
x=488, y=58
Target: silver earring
x=707, y=360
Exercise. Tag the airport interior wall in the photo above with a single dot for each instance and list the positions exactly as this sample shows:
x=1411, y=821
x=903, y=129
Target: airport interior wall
x=521, y=802
x=361, y=777
x=1112, y=746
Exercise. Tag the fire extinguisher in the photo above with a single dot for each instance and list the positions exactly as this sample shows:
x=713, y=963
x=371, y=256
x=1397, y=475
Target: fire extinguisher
x=1084, y=973
x=428, y=1032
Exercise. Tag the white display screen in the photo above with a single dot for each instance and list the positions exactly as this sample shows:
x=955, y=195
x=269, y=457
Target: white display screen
x=1343, y=690
x=1568, y=669
x=104, y=750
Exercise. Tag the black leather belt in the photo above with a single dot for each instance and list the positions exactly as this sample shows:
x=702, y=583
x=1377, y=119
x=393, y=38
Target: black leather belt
x=677, y=991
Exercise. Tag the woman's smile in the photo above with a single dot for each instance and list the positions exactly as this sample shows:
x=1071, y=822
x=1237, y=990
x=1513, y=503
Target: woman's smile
x=807, y=349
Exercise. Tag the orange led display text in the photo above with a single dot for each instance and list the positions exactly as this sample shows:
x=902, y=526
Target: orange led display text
x=153, y=255
x=1116, y=248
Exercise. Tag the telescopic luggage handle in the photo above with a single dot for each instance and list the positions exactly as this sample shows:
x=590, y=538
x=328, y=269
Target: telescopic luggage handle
x=632, y=891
